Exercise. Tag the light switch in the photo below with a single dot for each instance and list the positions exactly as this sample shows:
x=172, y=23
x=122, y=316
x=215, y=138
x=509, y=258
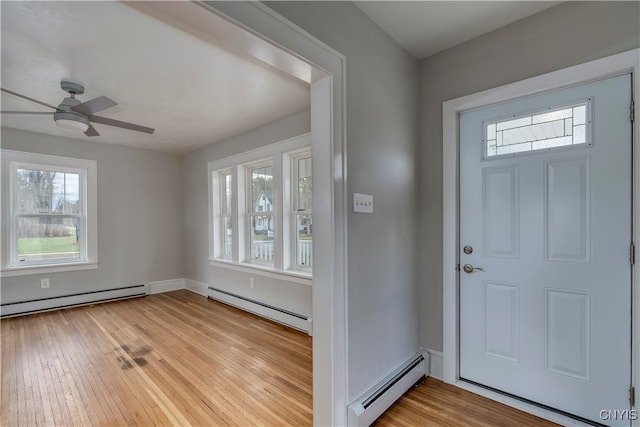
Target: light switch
x=362, y=203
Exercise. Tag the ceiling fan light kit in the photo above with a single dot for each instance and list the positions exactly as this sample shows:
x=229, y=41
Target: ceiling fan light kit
x=71, y=121
x=77, y=116
x=64, y=116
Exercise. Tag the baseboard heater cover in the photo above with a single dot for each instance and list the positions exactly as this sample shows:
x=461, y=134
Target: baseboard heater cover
x=73, y=300
x=286, y=317
x=370, y=405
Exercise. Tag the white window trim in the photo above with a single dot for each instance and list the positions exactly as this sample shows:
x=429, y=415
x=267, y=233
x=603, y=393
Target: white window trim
x=239, y=165
x=89, y=189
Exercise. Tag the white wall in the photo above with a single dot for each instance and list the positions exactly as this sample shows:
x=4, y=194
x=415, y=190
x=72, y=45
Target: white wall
x=382, y=125
x=284, y=294
x=565, y=35
x=139, y=217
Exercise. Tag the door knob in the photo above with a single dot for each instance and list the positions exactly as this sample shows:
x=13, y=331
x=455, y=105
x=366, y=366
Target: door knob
x=468, y=268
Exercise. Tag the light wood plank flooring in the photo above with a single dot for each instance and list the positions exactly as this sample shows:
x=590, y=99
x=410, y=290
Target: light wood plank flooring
x=180, y=359
x=434, y=403
x=168, y=359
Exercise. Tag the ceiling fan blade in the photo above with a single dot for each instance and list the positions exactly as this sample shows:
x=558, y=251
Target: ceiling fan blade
x=93, y=106
x=28, y=112
x=10, y=92
x=119, y=124
x=91, y=131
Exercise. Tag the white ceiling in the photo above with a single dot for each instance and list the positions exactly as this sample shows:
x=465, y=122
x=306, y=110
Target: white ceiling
x=195, y=83
x=427, y=27
x=163, y=74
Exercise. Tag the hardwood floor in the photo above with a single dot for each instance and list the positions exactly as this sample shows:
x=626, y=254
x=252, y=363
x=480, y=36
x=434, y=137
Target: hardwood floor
x=168, y=359
x=434, y=403
x=181, y=359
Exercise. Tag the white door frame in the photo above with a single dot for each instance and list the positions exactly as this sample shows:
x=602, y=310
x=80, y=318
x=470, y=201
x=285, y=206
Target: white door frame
x=605, y=67
x=310, y=60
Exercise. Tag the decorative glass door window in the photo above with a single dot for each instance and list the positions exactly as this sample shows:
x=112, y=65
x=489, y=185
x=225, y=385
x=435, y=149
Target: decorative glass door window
x=553, y=128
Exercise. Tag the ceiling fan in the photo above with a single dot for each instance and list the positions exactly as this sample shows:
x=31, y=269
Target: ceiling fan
x=74, y=115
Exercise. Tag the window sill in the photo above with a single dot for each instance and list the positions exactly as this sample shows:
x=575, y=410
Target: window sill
x=299, y=277
x=46, y=269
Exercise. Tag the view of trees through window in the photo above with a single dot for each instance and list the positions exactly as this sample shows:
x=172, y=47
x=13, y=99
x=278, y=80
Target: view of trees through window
x=47, y=213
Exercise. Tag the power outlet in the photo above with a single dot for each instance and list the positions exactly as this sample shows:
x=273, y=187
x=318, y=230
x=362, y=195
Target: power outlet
x=44, y=283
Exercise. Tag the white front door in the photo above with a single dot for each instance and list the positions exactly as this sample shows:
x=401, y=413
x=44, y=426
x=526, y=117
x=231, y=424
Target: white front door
x=545, y=235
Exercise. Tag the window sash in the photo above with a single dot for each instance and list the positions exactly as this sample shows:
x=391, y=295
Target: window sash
x=262, y=250
x=226, y=231
x=58, y=247
x=301, y=250
x=254, y=198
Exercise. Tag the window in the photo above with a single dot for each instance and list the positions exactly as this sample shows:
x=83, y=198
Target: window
x=51, y=210
x=226, y=214
x=302, y=180
x=546, y=130
x=260, y=213
x=261, y=209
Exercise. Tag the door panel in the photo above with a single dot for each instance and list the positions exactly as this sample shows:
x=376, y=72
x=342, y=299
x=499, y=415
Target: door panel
x=546, y=313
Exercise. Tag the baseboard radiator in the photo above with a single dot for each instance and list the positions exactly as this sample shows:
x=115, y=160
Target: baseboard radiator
x=368, y=407
x=73, y=300
x=285, y=317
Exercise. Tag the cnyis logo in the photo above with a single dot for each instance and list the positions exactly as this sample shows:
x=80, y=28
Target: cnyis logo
x=618, y=415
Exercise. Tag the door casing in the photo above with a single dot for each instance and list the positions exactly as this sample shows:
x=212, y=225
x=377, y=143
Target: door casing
x=601, y=68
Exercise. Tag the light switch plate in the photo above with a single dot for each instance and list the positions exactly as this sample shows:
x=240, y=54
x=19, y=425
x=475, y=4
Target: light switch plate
x=362, y=203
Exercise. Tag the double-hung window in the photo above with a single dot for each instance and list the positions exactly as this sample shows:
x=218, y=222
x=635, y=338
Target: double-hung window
x=261, y=218
x=301, y=210
x=226, y=214
x=261, y=209
x=50, y=205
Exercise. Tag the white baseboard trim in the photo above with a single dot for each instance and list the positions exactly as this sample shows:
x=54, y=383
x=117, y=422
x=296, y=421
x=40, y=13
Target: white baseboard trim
x=196, y=287
x=436, y=364
x=166, y=286
x=177, y=284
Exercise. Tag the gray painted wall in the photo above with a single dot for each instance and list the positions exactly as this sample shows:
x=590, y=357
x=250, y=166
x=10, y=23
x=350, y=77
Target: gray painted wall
x=139, y=217
x=162, y=235
x=565, y=35
x=382, y=137
x=280, y=293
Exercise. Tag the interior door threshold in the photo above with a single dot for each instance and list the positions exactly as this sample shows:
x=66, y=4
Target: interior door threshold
x=526, y=405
